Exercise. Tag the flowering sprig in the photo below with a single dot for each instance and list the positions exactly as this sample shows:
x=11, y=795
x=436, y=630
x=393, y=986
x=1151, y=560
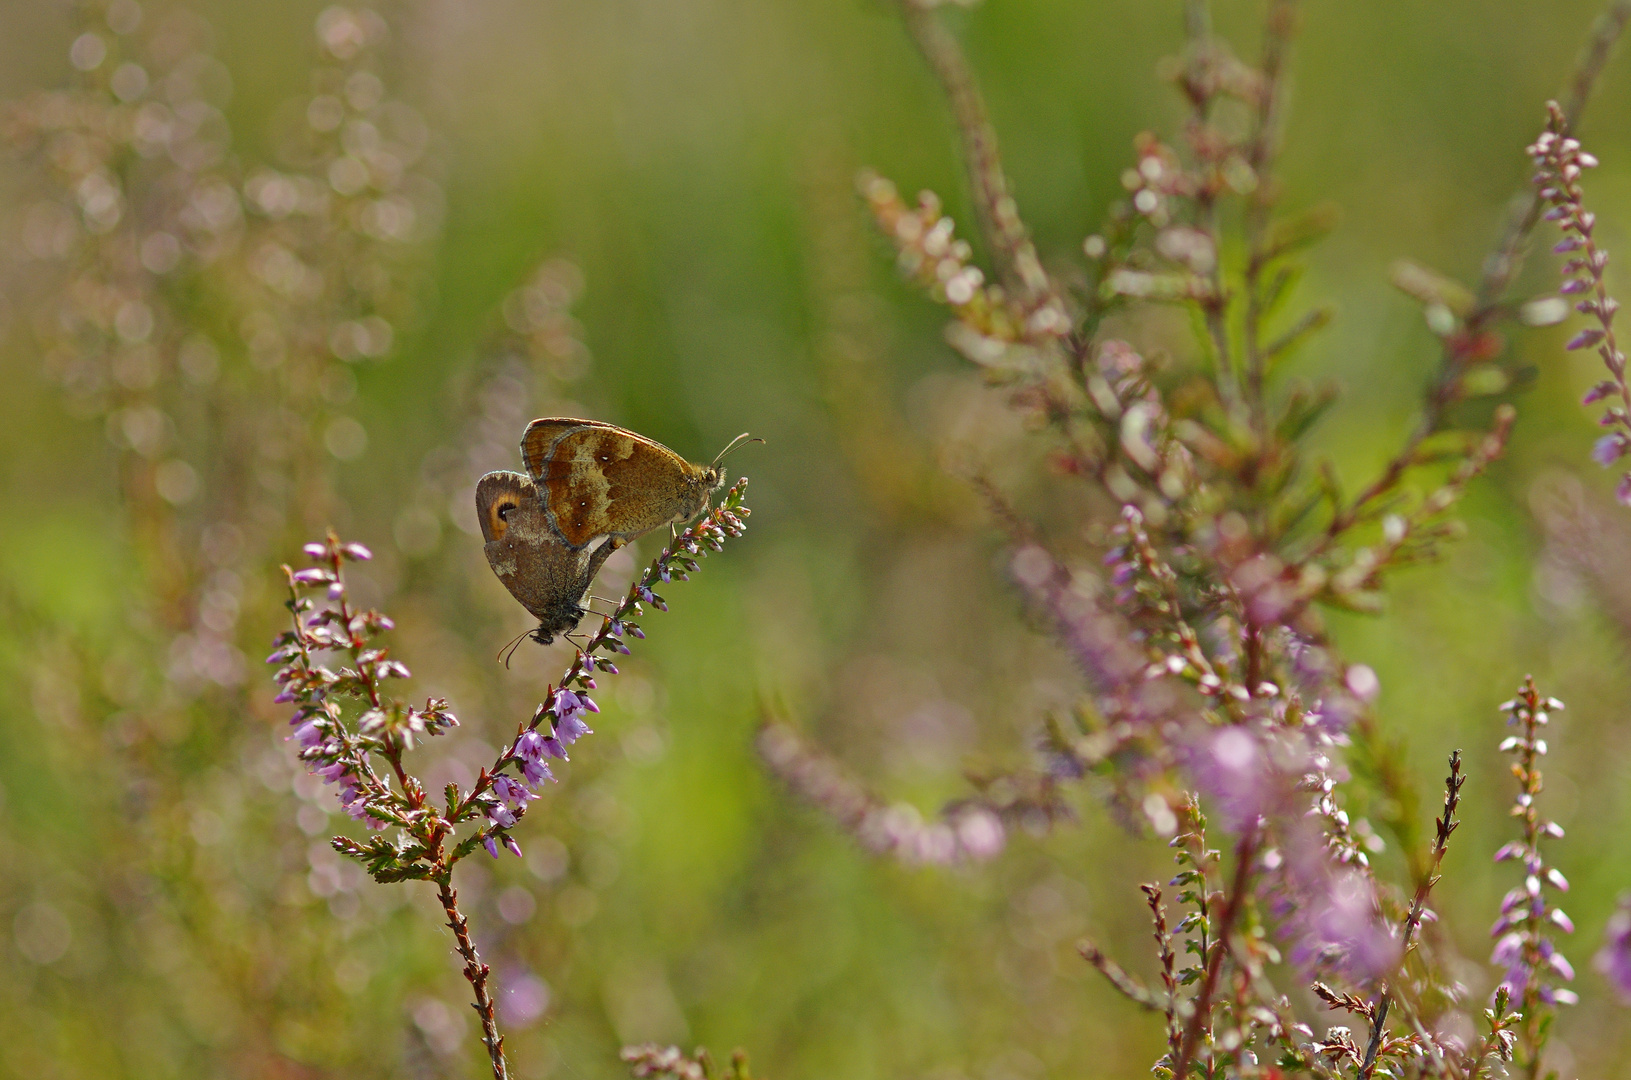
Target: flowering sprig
x=559, y=721
x=1559, y=164
x=972, y=829
x=994, y=328
x=664, y=1062
x=1529, y=918
x=338, y=751
x=334, y=670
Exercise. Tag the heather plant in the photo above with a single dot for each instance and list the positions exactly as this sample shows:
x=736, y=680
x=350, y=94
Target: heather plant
x=342, y=748
x=1169, y=527
x=1212, y=680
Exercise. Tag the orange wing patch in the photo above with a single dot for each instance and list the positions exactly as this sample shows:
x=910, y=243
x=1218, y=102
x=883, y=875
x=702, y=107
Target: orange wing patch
x=497, y=496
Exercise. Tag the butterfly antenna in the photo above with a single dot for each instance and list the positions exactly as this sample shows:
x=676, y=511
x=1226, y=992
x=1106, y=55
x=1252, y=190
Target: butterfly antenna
x=745, y=437
x=508, y=651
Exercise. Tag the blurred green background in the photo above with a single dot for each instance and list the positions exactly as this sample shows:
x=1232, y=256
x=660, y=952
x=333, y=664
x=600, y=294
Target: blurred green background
x=167, y=905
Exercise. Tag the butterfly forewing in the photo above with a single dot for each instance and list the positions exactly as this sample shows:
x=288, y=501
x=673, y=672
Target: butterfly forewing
x=601, y=480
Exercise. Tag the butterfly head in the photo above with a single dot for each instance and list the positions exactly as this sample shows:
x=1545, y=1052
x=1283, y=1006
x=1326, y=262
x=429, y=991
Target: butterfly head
x=714, y=475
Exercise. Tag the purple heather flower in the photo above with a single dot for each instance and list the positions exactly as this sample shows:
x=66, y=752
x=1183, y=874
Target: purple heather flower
x=536, y=772
x=1614, y=958
x=1233, y=767
x=1610, y=448
x=516, y=795
x=1339, y=925
x=336, y=770
x=570, y=729
x=500, y=815
x=490, y=842
x=567, y=705
x=357, y=552
x=515, y=848
x=1600, y=391
x=315, y=551
x=637, y=632
x=530, y=749
x=313, y=576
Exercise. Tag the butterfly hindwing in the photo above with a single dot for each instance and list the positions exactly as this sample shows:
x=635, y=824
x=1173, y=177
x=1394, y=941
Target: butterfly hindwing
x=548, y=577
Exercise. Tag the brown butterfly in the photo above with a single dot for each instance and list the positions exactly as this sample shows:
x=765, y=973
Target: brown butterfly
x=592, y=487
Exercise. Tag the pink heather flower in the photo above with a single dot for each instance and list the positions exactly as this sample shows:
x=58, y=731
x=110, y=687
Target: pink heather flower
x=1362, y=682
x=1622, y=492
x=315, y=551
x=357, y=552
x=490, y=842
x=1610, y=448
x=515, y=848
x=980, y=833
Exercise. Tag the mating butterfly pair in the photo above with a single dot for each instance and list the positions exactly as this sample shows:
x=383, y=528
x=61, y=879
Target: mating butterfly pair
x=589, y=488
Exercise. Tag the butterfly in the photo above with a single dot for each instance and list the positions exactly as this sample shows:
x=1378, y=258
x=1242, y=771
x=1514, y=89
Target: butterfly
x=590, y=487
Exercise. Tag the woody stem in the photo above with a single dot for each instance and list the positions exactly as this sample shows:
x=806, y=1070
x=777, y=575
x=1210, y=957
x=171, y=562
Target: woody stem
x=476, y=972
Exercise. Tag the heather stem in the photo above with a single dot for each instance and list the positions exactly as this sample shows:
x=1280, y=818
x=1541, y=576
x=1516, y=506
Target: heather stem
x=1169, y=980
x=476, y=972
x=999, y=218
x=1197, y=86
x=1418, y=905
x=1200, y=1019
x=1260, y=154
